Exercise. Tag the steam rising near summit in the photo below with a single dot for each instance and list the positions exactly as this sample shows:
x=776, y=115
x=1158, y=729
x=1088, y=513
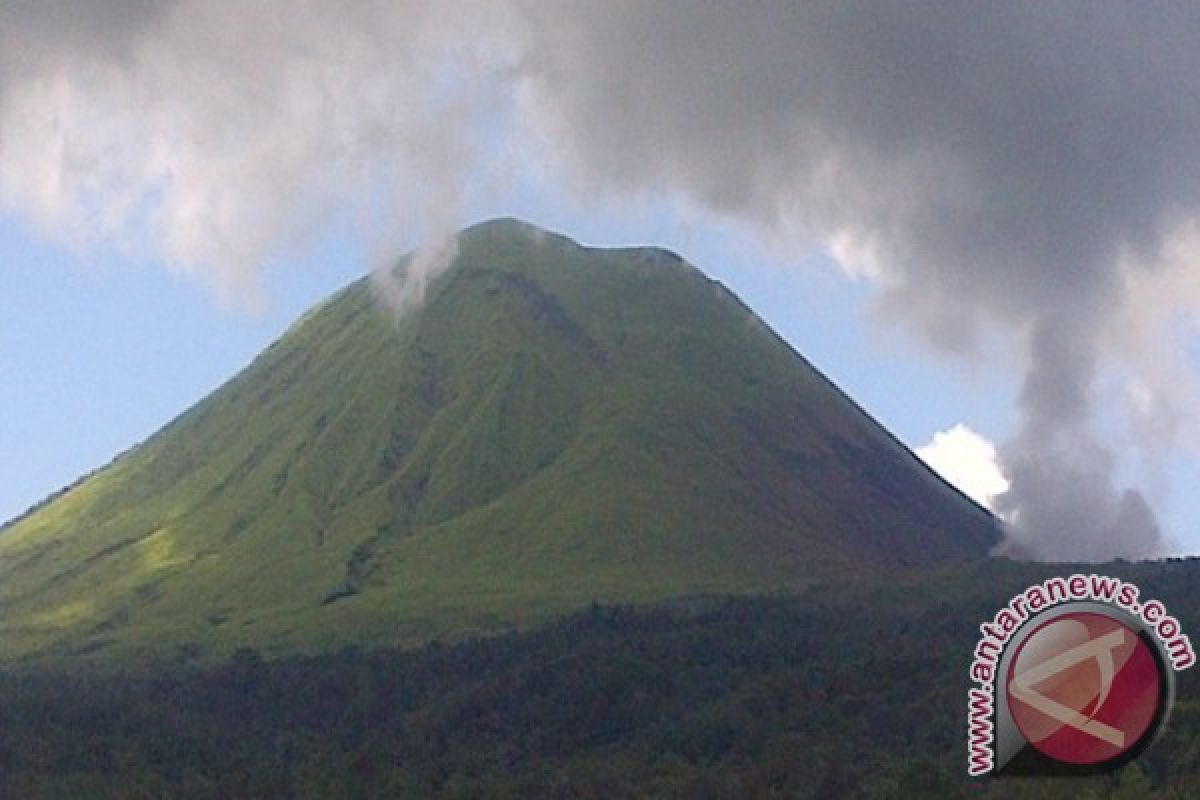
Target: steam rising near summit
x=1025, y=174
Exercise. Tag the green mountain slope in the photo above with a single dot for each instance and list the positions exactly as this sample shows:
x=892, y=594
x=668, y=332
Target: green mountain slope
x=556, y=425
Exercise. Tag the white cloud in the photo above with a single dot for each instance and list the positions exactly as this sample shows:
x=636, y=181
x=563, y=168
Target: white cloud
x=218, y=137
x=967, y=460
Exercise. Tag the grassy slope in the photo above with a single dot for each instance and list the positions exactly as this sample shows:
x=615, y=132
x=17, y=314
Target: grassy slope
x=556, y=425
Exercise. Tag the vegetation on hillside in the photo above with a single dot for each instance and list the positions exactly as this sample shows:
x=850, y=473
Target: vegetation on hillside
x=858, y=693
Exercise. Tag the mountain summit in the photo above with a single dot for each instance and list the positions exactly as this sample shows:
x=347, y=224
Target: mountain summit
x=556, y=425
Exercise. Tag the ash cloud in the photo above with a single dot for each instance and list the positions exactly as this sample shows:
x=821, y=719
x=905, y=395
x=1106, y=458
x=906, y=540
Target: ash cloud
x=1026, y=171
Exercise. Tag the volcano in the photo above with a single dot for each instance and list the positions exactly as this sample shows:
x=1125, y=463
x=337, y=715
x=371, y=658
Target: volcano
x=555, y=425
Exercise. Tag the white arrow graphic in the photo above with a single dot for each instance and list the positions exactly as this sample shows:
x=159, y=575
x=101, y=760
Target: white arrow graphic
x=1101, y=649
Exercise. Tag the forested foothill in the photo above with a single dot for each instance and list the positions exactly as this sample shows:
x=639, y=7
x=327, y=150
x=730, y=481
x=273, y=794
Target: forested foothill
x=821, y=694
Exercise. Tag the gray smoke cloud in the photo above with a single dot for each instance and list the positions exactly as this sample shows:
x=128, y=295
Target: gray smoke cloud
x=1018, y=172
x=222, y=136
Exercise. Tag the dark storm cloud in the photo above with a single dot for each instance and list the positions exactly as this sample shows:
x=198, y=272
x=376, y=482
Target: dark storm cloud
x=999, y=154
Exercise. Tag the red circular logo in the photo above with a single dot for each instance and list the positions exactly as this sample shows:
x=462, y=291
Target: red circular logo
x=1084, y=688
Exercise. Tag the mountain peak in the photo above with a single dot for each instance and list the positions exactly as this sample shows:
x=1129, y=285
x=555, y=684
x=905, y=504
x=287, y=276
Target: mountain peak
x=514, y=232
x=560, y=424
x=504, y=226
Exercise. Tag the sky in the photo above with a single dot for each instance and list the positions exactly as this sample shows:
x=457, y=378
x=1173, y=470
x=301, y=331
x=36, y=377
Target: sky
x=981, y=223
